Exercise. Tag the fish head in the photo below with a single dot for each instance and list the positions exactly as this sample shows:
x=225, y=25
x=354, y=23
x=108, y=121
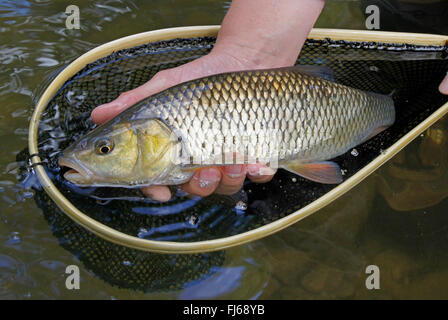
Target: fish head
x=120, y=154
x=107, y=154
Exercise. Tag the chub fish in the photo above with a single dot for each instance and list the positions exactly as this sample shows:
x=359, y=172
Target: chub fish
x=289, y=117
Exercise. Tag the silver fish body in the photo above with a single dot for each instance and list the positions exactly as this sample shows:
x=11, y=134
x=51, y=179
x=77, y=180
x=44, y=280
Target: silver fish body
x=281, y=116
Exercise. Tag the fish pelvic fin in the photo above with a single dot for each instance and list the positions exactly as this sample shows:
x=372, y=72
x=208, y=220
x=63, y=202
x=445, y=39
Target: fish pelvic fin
x=327, y=172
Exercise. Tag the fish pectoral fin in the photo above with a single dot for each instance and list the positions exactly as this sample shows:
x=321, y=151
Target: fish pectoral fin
x=327, y=172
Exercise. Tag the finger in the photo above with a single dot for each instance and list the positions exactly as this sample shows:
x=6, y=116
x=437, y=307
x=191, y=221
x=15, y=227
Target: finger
x=203, y=182
x=443, y=88
x=161, y=81
x=158, y=193
x=260, y=173
x=232, y=179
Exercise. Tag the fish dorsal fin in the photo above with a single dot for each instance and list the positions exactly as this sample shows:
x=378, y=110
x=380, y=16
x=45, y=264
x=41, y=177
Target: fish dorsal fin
x=327, y=172
x=323, y=72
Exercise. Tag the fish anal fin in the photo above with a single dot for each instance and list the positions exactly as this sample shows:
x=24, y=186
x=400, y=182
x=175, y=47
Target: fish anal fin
x=327, y=172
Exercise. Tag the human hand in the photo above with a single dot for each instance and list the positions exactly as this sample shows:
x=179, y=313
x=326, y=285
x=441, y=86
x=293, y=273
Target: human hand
x=255, y=34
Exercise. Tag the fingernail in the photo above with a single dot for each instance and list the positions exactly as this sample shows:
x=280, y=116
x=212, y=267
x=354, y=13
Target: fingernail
x=235, y=171
x=208, y=177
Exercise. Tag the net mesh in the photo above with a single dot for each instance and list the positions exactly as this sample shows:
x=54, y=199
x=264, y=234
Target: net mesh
x=411, y=73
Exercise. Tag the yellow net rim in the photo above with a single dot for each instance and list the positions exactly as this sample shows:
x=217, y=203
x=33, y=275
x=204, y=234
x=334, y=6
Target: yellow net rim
x=120, y=238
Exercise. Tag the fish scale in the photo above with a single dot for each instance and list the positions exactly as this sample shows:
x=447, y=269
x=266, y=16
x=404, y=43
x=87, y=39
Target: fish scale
x=327, y=111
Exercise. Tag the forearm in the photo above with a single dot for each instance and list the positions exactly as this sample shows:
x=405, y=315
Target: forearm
x=268, y=33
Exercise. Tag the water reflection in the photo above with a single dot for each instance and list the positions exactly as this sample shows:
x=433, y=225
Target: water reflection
x=416, y=177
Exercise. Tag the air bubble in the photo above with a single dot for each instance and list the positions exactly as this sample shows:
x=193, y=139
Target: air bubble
x=142, y=232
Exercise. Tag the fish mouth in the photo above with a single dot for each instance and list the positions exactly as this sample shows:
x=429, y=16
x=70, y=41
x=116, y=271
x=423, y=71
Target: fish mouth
x=76, y=173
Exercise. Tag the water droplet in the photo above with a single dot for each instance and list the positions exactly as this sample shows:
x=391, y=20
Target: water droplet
x=241, y=205
x=142, y=232
x=127, y=263
x=193, y=220
x=354, y=153
x=13, y=238
x=294, y=179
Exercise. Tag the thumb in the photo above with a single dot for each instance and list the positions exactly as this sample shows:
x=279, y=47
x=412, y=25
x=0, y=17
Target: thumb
x=161, y=81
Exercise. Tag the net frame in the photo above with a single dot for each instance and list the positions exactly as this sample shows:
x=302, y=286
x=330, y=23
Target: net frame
x=120, y=238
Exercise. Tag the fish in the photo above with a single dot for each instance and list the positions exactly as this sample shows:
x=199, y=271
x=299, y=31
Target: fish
x=292, y=118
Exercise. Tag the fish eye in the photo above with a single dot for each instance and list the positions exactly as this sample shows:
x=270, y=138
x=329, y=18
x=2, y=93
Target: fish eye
x=104, y=146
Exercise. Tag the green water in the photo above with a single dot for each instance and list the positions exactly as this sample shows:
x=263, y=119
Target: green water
x=395, y=219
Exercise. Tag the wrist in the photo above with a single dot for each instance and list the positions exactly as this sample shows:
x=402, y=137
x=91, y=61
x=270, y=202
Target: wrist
x=266, y=33
x=258, y=53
